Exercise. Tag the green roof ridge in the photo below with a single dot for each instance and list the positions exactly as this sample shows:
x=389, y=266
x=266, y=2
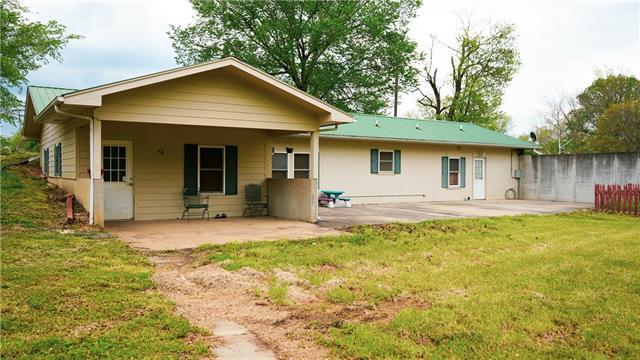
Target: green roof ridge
x=428, y=130
x=50, y=87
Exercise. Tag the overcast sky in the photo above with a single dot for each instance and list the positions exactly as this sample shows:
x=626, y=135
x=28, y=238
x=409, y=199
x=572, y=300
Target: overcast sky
x=562, y=44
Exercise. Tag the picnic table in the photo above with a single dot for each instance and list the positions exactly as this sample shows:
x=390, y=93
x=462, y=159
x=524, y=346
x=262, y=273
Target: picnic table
x=333, y=196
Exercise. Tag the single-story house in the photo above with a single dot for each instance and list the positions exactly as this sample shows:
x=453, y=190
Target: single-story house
x=381, y=159
x=128, y=149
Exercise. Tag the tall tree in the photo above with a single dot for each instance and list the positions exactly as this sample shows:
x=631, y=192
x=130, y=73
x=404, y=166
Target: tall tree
x=25, y=46
x=343, y=52
x=618, y=129
x=483, y=63
x=593, y=102
x=557, y=118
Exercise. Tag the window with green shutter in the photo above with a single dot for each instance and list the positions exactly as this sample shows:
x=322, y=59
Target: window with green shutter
x=211, y=169
x=453, y=172
x=57, y=160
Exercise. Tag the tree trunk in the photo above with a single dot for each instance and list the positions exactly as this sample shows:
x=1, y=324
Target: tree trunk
x=395, y=98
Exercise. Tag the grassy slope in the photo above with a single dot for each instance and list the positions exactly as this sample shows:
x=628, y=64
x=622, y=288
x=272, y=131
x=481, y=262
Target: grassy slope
x=77, y=293
x=530, y=286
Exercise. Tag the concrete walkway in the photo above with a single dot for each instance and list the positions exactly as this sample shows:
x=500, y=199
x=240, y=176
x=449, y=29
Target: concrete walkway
x=239, y=343
x=341, y=217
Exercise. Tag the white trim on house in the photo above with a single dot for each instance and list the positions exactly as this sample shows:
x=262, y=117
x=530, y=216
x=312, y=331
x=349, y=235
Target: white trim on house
x=286, y=170
x=455, y=186
x=293, y=167
x=393, y=161
x=224, y=155
x=291, y=164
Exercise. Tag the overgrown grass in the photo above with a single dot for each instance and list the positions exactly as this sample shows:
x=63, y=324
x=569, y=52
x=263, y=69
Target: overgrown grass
x=77, y=293
x=528, y=286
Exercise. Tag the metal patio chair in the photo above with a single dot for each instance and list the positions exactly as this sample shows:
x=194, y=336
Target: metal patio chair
x=194, y=200
x=253, y=198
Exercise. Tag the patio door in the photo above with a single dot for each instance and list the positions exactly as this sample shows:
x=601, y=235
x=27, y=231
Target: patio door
x=478, y=178
x=117, y=173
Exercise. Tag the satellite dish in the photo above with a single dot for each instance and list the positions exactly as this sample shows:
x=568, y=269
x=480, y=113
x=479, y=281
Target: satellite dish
x=533, y=136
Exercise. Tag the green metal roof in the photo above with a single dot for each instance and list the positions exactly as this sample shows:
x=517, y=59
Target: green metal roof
x=41, y=96
x=388, y=128
x=419, y=130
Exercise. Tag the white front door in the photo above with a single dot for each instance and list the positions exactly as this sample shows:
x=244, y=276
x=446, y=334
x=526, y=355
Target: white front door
x=118, y=179
x=478, y=178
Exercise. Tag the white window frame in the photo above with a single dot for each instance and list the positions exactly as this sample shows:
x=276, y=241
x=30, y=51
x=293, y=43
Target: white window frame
x=291, y=164
x=393, y=162
x=224, y=156
x=449, y=173
x=288, y=163
x=292, y=174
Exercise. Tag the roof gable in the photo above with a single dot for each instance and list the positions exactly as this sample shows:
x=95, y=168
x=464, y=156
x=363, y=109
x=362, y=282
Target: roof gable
x=41, y=96
x=419, y=130
x=93, y=96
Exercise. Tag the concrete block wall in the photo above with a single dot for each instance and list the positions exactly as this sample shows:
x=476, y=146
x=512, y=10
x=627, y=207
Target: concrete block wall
x=572, y=177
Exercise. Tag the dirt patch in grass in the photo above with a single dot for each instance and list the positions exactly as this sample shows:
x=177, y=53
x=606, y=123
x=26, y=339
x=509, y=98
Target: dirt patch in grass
x=285, y=313
x=209, y=294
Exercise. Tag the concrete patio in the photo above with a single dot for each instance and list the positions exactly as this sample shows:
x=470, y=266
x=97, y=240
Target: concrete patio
x=178, y=234
x=340, y=217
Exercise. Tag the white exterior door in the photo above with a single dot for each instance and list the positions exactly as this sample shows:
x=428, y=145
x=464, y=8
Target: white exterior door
x=117, y=174
x=478, y=179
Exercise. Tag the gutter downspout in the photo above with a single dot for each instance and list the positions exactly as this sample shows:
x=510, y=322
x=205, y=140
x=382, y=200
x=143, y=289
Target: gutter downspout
x=91, y=151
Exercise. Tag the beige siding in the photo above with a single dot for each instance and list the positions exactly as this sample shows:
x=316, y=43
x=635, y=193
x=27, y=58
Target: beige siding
x=208, y=99
x=346, y=165
x=83, y=151
x=64, y=133
x=158, y=164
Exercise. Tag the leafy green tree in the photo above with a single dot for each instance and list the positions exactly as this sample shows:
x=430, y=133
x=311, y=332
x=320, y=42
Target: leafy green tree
x=594, y=101
x=15, y=144
x=618, y=129
x=25, y=46
x=482, y=65
x=348, y=53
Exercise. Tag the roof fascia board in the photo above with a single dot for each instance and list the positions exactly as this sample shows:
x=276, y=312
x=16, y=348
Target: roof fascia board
x=408, y=141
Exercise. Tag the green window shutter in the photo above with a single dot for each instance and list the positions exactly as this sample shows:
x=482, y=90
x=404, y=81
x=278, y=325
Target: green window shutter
x=462, y=172
x=374, y=161
x=59, y=159
x=57, y=168
x=46, y=161
x=445, y=172
x=231, y=170
x=396, y=161
x=191, y=169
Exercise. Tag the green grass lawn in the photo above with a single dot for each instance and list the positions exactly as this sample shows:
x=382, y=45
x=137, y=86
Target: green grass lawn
x=526, y=286
x=77, y=293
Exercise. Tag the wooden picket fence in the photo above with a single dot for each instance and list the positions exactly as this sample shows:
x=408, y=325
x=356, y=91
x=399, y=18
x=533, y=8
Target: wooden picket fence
x=618, y=198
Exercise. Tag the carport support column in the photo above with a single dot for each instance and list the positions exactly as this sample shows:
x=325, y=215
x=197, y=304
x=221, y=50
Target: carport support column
x=96, y=196
x=314, y=167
